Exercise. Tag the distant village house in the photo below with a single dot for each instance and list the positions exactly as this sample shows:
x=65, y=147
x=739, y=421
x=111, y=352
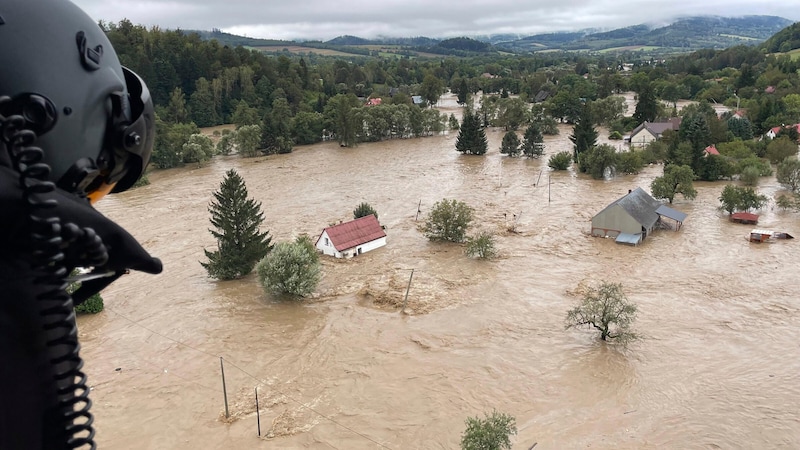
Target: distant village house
x=352, y=238
x=648, y=132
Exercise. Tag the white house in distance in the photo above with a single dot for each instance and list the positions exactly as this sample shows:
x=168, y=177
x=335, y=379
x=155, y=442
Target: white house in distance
x=648, y=132
x=352, y=238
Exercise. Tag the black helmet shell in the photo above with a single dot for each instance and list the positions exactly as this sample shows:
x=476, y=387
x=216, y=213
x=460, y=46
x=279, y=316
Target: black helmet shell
x=63, y=76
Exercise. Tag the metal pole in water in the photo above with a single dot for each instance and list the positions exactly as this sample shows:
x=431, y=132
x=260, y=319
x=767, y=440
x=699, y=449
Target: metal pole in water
x=408, y=288
x=224, y=390
x=258, y=413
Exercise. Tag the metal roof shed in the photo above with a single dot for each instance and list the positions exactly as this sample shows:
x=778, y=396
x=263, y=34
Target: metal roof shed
x=674, y=214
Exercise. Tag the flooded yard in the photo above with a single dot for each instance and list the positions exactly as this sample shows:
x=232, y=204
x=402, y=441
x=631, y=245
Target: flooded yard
x=718, y=366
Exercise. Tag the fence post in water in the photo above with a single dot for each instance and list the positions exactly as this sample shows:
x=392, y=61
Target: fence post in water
x=405, y=300
x=418, y=210
x=548, y=189
x=224, y=390
x=258, y=414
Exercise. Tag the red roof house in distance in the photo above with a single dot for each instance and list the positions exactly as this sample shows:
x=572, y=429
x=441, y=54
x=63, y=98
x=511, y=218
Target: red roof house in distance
x=352, y=238
x=710, y=150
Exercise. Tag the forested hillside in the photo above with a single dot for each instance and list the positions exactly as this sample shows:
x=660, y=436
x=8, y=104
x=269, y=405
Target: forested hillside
x=279, y=101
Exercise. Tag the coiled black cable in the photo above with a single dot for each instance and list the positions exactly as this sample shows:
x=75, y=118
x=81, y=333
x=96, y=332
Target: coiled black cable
x=49, y=238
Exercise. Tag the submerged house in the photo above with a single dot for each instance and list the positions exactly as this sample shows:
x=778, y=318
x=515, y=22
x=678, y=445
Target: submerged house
x=633, y=217
x=648, y=132
x=352, y=238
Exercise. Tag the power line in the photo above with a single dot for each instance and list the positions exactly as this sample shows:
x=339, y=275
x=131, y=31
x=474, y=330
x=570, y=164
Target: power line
x=251, y=376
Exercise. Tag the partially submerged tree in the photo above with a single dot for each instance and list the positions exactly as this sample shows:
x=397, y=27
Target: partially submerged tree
x=788, y=173
x=606, y=309
x=471, y=136
x=735, y=198
x=584, y=135
x=560, y=161
x=236, y=219
x=448, y=221
x=481, y=245
x=510, y=144
x=533, y=141
x=364, y=209
x=676, y=180
x=290, y=268
x=247, y=139
x=490, y=433
x=598, y=160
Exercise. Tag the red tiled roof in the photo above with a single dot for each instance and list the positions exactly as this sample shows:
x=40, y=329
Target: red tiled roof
x=356, y=232
x=711, y=150
x=744, y=216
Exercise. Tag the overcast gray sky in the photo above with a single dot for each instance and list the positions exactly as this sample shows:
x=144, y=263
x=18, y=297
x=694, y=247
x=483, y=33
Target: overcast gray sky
x=326, y=19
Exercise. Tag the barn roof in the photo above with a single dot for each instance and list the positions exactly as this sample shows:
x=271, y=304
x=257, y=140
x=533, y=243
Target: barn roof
x=356, y=232
x=640, y=205
x=745, y=216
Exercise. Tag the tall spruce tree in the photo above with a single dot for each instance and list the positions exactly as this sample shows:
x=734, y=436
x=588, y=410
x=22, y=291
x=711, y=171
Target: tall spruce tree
x=240, y=244
x=471, y=137
x=533, y=141
x=647, y=105
x=510, y=144
x=584, y=135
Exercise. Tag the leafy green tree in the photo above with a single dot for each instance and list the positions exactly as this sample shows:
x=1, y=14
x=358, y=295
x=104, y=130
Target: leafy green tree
x=471, y=136
x=781, y=148
x=202, y=105
x=168, y=145
x=306, y=128
x=290, y=268
x=245, y=115
x=788, y=173
x=565, y=106
x=364, y=209
x=676, y=180
x=607, y=110
x=226, y=142
x=749, y=176
x=560, y=161
x=198, y=149
x=247, y=139
x=493, y=432
x=340, y=118
x=584, y=135
x=448, y=221
x=91, y=305
x=510, y=144
x=511, y=113
x=607, y=309
x=431, y=89
x=481, y=245
x=533, y=141
x=597, y=160
x=236, y=219
x=629, y=162
x=715, y=167
x=734, y=198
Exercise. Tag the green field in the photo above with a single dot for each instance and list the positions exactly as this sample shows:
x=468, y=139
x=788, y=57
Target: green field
x=630, y=48
x=744, y=38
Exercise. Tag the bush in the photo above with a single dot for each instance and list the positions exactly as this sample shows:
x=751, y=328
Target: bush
x=448, y=221
x=560, y=161
x=363, y=210
x=629, y=162
x=142, y=181
x=492, y=433
x=91, y=305
x=290, y=268
x=780, y=149
x=481, y=245
x=749, y=176
x=615, y=135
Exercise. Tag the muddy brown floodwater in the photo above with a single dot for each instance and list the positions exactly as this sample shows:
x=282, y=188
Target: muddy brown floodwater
x=719, y=366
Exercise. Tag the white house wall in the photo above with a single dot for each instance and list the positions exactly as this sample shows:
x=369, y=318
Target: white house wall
x=642, y=138
x=325, y=245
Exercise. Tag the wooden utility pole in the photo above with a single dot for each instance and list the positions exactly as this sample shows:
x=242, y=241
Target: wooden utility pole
x=258, y=414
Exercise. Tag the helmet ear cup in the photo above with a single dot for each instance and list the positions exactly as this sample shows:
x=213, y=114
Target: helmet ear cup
x=39, y=112
x=135, y=140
